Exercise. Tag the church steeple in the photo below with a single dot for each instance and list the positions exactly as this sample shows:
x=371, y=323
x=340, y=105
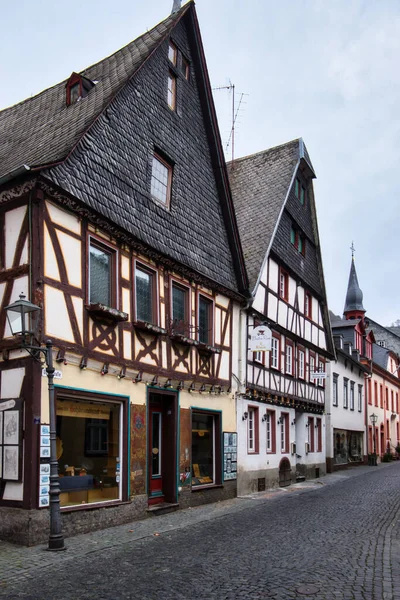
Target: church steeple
x=353, y=308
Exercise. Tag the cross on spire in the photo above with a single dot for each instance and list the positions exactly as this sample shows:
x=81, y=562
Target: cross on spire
x=352, y=248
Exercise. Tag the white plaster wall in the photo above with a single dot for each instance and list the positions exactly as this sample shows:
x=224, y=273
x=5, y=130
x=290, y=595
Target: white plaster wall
x=12, y=227
x=273, y=275
x=259, y=300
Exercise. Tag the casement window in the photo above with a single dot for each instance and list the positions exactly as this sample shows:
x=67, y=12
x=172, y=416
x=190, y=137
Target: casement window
x=297, y=239
x=252, y=430
x=397, y=402
x=206, y=448
x=392, y=400
x=271, y=431
x=381, y=395
x=302, y=195
x=387, y=428
x=172, y=53
x=351, y=395
x=146, y=295
x=180, y=310
x=345, y=392
x=376, y=393
x=161, y=179
x=258, y=357
x=321, y=369
x=300, y=191
x=102, y=274
x=335, y=382
x=386, y=398
x=275, y=351
x=308, y=305
x=289, y=359
x=301, y=363
x=171, y=91
x=311, y=436
x=360, y=387
x=318, y=426
x=283, y=285
x=311, y=367
x=284, y=432
x=185, y=68
x=205, y=320
x=297, y=187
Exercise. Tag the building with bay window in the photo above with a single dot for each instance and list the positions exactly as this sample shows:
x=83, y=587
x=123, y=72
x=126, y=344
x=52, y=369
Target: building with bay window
x=281, y=391
x=139, y=273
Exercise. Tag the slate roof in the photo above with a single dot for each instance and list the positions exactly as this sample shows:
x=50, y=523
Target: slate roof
x=43, y=130
x=260, y=183
x=354, y=295
x=380, y=355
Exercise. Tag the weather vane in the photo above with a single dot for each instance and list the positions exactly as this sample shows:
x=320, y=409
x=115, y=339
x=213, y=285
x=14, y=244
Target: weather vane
x=352, y=248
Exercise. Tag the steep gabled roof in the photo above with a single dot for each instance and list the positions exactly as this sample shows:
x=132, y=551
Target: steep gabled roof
x=43, y=129
x=260, y=184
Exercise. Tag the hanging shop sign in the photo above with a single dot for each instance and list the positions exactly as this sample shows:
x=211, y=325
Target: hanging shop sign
x=260, y=339
x=318, y=375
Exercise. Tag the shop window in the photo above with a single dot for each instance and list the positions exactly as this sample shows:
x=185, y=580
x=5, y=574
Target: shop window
x=205, y=320
x=271, y=431
x=252, y=430
x=360, y=387
x=275, y=351
x=145, y=295
x=180, y=310
x=102, y=269
x=161, y=178
x=89, y=451
x=335, y=390
x=206, y=448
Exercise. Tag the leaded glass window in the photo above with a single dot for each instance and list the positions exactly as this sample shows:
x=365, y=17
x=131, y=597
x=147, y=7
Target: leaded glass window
x=205, y=320
x=144, y=295
x=100, y=274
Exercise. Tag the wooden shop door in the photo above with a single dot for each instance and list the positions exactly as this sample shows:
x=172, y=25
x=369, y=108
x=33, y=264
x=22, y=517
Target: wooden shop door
x=162, y=441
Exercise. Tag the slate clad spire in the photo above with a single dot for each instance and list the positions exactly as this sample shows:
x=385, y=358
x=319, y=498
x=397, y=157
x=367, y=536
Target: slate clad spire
x=353, y=308
x=176, y=6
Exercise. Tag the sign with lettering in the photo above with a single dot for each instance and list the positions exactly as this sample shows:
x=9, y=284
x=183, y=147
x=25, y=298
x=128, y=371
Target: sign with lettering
x=260, y=339
x=57, y=374
x=318, y=375
x=7, y=404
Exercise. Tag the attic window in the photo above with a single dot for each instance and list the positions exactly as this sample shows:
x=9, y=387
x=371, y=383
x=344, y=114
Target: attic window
x=172, y=53
x=77, y=87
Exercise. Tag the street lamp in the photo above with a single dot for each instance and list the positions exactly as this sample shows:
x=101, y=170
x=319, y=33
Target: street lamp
x=374, y=419
x=22, y=318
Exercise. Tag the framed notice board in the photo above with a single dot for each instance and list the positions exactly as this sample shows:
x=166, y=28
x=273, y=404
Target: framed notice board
x=11, y=439
x=230, y=455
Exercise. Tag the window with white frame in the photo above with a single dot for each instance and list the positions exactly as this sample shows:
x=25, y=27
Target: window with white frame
x=258, y=357
x=321, y=369
x=335, y=389
x=312, y=368
x=351, y=395
x=270, y=431
x=252, y=423
x=345, y=393
x=289, y=359
x=301, y=363
x=360, y=387
x=283, y=433
x=275, y=353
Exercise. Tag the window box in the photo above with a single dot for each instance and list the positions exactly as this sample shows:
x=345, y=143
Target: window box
x=183, y=339
x=105, y=313
x=155, y=329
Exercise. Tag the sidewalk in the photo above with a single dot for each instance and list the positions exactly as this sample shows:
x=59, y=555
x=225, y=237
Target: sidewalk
x=18, y=562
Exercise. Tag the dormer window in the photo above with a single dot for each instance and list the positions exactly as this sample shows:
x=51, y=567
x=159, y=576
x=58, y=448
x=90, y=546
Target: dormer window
x=77, y=87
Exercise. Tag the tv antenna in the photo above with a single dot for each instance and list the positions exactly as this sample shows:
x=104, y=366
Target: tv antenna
x=235, y=113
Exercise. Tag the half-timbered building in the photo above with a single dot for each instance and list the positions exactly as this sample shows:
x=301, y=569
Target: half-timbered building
x=281, y=397
x=117, y=220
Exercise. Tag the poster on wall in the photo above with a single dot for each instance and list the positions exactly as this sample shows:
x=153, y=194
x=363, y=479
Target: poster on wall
x=230, y=455
x=11, y=439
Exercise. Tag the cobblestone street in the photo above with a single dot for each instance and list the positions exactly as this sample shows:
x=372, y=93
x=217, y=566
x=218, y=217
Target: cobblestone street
x=334, y=538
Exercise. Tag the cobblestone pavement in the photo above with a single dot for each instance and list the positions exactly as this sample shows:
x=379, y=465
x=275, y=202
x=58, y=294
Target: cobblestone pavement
x=333, y=538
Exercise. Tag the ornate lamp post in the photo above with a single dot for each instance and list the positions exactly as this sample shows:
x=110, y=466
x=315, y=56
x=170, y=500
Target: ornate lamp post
x=374, y=419
x=22, y=318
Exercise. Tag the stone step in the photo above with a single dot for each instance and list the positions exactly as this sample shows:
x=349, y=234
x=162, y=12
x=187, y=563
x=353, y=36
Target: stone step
x=162, y=509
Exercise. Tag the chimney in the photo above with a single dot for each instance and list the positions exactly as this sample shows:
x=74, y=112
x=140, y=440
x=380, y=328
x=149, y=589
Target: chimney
x=176, y=6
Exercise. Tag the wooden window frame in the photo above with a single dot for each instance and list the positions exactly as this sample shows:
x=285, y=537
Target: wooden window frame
x=284, y=433
x=172, y=91
x=289, y=344
x=392, y=401
x=359, y=397
x=321, y=363
x=298, y=236
x=155, y=309
x=311, y=434
x=351, y=399
x=345, y=392
x=375, y=394
x=308, y=305
x=318, y=423
x=277, y=337
x=175, y=283
x=253, y=410
x=101, y=244
x=311, y=357
x=335, y=388
x=173, y=47
x=271, y=415
x=217, y=446
x=185, y=68
x=211, y=311
x=168, y=166
x=302, y=195
x=260, y=360
x=297, y=186
x=386, y=398
x=285, y=295
x=301, y=351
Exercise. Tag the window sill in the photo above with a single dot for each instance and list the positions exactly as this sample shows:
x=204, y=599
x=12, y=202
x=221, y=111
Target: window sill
x=207, y=349
x=105, y=313
x=93, y=505
x=179, y=338
x=144, y=326
x=200, y=488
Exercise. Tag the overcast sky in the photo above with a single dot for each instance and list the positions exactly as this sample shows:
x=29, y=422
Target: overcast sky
x=327, y=71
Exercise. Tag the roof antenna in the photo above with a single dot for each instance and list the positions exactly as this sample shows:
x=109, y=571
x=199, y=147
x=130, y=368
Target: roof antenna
x=176, y=6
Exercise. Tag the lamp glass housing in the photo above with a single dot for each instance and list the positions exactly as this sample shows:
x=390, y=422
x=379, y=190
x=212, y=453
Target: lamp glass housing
x=22, y=317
